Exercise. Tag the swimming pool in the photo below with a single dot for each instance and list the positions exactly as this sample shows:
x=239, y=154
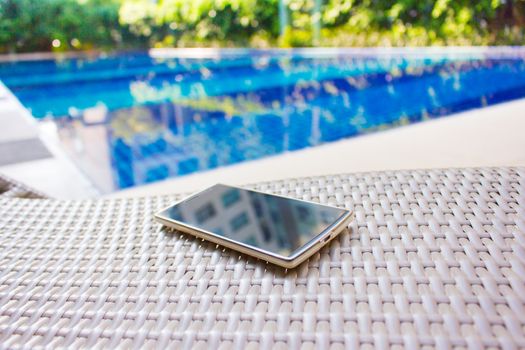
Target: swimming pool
x=159, y=116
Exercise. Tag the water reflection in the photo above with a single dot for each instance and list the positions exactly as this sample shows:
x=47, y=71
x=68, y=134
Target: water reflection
x=271, y=223
x=211, y=115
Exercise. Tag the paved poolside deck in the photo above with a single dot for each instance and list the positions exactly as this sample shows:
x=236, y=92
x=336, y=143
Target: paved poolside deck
x=19, y=140
x=30, y=153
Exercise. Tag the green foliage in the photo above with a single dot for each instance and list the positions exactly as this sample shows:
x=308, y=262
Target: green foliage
x=35, y=25
x=293, y=37
x=229, y=22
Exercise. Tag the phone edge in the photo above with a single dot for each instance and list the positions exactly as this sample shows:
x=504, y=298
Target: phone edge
x=303, y=253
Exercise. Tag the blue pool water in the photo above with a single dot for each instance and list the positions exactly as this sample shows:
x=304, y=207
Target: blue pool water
x=161, y=117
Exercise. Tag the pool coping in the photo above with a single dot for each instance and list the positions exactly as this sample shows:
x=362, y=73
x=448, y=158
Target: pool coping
x=485, y=51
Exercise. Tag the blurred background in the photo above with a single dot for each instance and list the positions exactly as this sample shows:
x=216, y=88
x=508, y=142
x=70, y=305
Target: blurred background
x=64, y=25
x=117, y=97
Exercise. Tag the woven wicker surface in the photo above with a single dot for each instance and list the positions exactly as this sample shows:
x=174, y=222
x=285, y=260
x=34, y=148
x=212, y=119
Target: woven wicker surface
x=434, y=258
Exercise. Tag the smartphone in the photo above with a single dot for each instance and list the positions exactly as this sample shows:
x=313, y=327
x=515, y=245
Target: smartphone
x=283, y=231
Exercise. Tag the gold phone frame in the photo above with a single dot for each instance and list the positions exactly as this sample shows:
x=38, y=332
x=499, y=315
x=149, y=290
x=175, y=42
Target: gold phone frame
x=288, y=262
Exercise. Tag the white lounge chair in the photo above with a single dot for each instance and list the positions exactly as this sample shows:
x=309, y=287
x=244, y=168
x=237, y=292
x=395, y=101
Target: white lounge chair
x=435, y=258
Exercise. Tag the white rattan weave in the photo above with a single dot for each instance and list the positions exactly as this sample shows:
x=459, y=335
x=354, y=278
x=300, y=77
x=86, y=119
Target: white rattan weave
x=435, y=258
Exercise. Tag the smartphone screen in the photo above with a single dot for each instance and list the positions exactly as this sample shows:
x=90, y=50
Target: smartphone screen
x=271, y=223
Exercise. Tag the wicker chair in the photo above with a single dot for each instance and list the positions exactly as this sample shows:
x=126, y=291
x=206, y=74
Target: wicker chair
x=435, y=259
